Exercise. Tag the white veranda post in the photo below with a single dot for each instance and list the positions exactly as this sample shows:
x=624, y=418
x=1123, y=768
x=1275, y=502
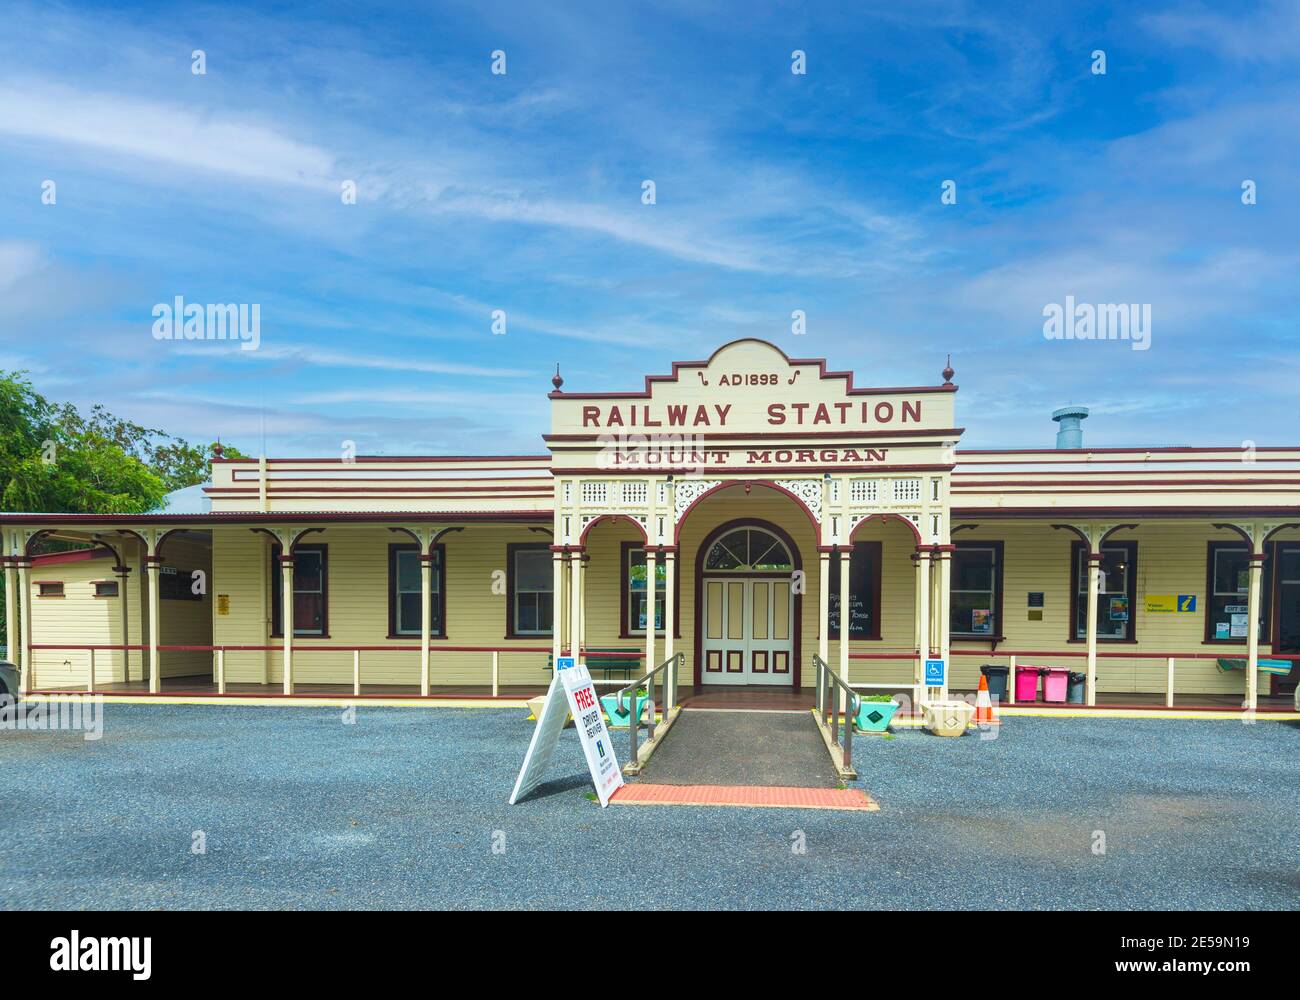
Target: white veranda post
x=1090, y=628
x=11, y=596
x=286, y=615
x=670, y=617
x=846, y=558
x=27, y=668
x=575, y=603
x=153, y=564
x=923, y=611
x=651, y=592
x=945, y=618
x=426, y=599
x=1252, y=639
x=824, y=601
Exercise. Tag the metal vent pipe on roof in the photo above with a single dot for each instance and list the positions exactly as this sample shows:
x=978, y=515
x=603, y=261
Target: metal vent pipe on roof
x=1070, y=432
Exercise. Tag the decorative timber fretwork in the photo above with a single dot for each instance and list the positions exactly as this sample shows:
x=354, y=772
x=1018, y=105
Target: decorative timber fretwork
x=689, y=490
x=809, y=492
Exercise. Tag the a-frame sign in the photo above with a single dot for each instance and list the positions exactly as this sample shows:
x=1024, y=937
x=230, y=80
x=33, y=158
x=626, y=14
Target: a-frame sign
x=571, y=691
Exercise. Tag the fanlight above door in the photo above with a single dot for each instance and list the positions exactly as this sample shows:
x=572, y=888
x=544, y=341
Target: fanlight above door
x=748, y=550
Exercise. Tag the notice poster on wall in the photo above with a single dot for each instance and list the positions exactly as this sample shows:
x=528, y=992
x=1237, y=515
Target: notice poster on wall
x=1239, y=626
x=1119, y=609
x=861, y=583
x=981, y=621
x=859, y=615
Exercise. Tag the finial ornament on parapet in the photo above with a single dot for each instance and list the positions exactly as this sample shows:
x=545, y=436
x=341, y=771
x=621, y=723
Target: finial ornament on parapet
x=948, y=373
x=555, y=379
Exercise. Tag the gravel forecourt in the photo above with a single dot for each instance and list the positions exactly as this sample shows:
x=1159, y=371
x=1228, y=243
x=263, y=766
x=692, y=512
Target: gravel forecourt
x=406, y=808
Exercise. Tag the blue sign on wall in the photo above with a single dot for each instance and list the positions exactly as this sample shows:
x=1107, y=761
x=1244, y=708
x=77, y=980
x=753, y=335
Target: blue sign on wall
x=935, y=673
x=564, y=662
x=1186, y=602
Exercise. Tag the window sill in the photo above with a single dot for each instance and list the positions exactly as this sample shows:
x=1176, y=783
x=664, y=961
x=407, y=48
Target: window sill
x=641, y=635
x=973, y=637
x=298, y=635
x=1100, y=640
x=416, y=636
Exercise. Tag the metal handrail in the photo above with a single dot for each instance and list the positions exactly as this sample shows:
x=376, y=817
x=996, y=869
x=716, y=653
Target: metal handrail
x=827, y=714
x=668, y=685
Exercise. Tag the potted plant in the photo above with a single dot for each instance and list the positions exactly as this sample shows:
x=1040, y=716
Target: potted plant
x=875, y=713
x=617, y=719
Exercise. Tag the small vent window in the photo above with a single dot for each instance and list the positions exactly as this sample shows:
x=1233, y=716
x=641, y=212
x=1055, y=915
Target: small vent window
x=635, y=492
x=907, y=489
x=863, y=491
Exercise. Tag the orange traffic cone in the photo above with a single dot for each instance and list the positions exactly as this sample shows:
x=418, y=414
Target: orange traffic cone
x=984, y=713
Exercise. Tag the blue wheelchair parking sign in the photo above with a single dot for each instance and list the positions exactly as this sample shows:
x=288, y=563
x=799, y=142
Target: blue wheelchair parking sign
x=934, y=673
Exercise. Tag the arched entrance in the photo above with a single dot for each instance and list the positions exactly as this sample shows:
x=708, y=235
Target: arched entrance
x=747, y=610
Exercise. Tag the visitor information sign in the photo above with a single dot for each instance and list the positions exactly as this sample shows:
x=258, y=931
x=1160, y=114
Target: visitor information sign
x=579, y=698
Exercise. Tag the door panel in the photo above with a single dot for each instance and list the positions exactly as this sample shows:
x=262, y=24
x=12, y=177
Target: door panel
x=747, y=631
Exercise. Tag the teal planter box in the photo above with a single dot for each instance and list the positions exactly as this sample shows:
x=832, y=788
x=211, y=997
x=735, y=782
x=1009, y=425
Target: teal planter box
x=617, y=720
x=875, y=716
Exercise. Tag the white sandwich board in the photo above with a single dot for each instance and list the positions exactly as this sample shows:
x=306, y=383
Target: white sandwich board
x=578, y=697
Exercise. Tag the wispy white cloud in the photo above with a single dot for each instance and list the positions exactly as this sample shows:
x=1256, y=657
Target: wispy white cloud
x=121, y=125
x=1268, y=33
x=334, y=358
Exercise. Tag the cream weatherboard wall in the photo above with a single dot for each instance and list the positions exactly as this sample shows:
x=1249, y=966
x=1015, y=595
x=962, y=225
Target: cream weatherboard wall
x=79, y=618
x=1171, y=559
x=357, y=615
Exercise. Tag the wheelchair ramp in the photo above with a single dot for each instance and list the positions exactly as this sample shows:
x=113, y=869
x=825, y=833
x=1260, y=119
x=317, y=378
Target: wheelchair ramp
x=750, y=749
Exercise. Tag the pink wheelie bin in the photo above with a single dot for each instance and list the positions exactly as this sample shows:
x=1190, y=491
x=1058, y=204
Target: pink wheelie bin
x=1027, y=683
x=1056, y=684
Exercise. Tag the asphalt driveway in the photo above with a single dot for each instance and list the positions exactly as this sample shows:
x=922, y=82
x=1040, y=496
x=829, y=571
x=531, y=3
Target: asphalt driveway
x=407, y=808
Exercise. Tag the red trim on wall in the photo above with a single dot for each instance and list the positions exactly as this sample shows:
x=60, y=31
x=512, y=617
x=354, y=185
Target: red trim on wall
x=582, y=538
x=999, y=557
x=942, y=432
x=393, y=549
x=822, y=373
x=277, y=583
x=1130, y=627
x=336, y=460
x=511, y=549
x=681, y=521
x=1151, y=513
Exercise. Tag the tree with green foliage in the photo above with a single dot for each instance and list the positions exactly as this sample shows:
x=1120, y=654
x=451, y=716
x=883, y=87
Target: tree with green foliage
x=54, y=459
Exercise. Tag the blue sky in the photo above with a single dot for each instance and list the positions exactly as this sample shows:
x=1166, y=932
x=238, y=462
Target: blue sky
x=775, y=192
